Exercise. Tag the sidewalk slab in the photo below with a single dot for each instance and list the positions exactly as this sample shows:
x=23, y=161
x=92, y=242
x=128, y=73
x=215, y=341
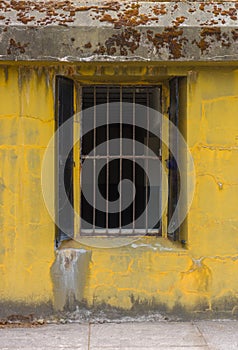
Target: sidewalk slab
x=161, y=335
x=155, y=348
x=68, y=336
x=197, y=335
x=219, y=335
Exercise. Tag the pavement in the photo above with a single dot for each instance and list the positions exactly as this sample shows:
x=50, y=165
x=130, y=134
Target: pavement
x=196, y=335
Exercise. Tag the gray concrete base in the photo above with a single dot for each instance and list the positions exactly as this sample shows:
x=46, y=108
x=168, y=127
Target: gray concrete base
x=200, y=335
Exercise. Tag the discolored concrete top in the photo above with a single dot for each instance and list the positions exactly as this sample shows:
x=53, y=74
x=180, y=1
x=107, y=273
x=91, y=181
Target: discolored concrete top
x=75, y=31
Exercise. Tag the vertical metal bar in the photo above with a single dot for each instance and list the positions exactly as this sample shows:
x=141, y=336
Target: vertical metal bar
x=133, y=158
x=94, y=160
x=120, y=199
x=146, y=160
x=107, y=160
x=80, y=155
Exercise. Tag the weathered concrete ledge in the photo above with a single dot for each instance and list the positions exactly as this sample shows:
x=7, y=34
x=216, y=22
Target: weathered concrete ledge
x=72, y=31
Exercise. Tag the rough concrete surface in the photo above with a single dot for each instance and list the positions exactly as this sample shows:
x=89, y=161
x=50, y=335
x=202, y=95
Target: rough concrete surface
x=111, y=30
x=200, y=335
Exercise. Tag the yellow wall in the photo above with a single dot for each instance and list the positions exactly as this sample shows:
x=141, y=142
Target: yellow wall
x=200, y=276
x=27, y=232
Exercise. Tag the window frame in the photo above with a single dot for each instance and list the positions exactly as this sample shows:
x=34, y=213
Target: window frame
x=181, y=233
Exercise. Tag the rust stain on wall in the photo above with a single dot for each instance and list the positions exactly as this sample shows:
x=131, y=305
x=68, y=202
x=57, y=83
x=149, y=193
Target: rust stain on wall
x=171, y=38
x=15, y=47
x=128, y=40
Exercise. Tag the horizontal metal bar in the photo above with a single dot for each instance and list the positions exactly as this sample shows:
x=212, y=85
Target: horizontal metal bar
x=120, y=157
x=120, y=233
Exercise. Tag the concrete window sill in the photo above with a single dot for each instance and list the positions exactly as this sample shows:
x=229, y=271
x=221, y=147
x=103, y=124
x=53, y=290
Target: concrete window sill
x=157, y=244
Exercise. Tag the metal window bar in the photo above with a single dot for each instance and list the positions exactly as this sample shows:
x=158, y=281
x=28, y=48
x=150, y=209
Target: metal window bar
x=147, y=151
x=134, y=153
x=144, y=98
x=120, y=183
x=107, y=174
x=94, y=152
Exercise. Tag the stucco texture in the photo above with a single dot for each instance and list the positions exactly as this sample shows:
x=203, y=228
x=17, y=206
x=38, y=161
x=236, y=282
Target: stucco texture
x=154, y=272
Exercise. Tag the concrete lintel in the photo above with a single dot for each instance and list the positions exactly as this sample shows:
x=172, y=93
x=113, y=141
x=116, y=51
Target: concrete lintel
x=118, y=31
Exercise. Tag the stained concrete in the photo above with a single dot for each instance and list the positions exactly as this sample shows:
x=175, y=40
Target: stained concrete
x=141, y=31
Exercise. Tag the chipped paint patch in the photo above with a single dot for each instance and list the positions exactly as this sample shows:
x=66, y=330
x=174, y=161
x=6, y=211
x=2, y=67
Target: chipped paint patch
x=69, y=274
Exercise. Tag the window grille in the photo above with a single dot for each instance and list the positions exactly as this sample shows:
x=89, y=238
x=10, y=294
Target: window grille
x=120, y=161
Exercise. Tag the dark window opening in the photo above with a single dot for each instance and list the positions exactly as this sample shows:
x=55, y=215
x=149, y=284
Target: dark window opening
x=122, y=161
